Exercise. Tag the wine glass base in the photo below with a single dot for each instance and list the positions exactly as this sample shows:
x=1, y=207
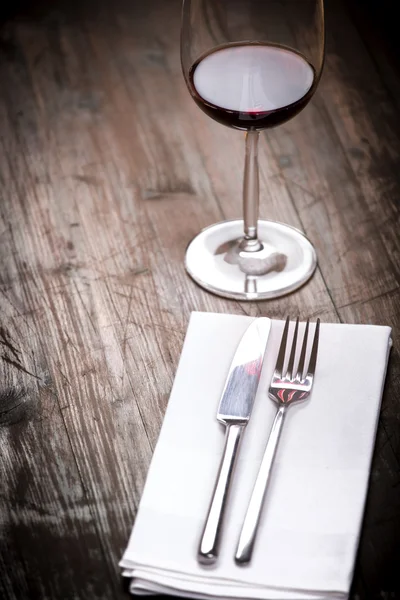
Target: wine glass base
x=215, y=260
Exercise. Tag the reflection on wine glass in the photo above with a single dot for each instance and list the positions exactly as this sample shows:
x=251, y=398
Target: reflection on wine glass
x=251, y=65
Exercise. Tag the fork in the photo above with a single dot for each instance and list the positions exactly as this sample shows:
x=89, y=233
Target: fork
x=286, y=388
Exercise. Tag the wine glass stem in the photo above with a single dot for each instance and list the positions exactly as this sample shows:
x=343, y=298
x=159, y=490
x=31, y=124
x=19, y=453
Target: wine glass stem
x=251, y=193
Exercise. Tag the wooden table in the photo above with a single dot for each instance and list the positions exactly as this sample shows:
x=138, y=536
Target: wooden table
x=108, y=169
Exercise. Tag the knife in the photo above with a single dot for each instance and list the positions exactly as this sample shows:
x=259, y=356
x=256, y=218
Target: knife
x=234, y=412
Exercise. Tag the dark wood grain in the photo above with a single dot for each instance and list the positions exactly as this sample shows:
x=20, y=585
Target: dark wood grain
x=107, y=169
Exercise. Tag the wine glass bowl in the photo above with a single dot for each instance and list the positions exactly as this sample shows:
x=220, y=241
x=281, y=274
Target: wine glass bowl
x=251, y=65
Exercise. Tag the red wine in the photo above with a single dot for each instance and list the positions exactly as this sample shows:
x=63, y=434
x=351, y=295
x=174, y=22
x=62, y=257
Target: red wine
x=252, y=85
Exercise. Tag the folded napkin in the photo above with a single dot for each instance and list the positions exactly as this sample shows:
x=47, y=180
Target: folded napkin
x=312, y=515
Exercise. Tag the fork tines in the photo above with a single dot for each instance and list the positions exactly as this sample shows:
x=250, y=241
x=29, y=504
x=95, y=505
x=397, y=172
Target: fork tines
x=289, y=372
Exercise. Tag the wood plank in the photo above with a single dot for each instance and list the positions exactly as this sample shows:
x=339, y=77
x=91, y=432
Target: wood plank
x=43, y=503
x=366, y=123
x=44, y=507
x=377, y=562
x=376, y=24
x=63, y=507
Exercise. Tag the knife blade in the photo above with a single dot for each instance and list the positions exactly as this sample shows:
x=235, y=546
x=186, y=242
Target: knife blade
x=234, y=412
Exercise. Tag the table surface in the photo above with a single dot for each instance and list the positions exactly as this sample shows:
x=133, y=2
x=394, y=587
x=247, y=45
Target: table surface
x=107, y=170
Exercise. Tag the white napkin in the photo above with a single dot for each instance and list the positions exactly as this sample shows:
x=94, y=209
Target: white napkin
x=312, y=516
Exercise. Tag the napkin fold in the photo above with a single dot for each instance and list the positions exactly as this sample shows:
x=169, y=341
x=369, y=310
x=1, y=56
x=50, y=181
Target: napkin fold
x=312, y=516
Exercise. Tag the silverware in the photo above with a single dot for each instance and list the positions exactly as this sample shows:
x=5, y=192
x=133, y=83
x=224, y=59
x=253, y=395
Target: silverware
x=285, y=389
x=234, y=412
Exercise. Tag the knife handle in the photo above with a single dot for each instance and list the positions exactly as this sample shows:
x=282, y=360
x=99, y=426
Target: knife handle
x=211, y=536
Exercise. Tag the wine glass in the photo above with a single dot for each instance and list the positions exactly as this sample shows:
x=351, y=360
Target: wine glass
x=251, y=65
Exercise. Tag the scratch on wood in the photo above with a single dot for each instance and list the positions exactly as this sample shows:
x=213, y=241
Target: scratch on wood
x=124, y=340
x=89, y=180
x=5, y=340
x=18, y=366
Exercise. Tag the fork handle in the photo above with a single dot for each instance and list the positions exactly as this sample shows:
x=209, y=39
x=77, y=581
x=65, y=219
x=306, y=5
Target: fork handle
x=248, y=533
x=210, y=540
